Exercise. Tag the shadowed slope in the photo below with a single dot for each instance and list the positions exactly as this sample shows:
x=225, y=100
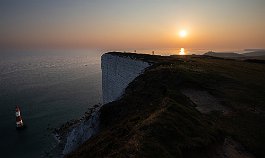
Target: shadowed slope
x=154, y=118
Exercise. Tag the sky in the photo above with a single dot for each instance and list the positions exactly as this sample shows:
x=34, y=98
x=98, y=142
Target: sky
x=132, y=23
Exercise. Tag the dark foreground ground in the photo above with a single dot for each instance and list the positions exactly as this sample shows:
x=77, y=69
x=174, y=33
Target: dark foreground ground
x=190, y=106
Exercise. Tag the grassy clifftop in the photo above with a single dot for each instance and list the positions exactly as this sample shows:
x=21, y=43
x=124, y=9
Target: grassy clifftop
x=190, y=106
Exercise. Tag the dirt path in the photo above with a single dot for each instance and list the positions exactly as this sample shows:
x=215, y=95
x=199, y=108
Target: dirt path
x=204, y=101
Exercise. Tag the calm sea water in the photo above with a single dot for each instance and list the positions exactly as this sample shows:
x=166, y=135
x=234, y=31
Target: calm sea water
x=51, y=87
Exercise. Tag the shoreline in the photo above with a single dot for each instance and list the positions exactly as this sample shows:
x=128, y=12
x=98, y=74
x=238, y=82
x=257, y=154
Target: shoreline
x=62, y=133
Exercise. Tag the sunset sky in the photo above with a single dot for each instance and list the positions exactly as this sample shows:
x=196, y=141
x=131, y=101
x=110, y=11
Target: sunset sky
x=132, y=23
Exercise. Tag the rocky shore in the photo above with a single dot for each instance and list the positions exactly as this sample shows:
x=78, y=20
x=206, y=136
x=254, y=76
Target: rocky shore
x=74, y=132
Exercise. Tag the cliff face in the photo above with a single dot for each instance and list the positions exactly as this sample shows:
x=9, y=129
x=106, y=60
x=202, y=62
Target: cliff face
x=117, y=73
x=82, y=132
x=181, y=106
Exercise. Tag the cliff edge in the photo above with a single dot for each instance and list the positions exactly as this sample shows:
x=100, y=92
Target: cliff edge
x=117, y=73
x=184, y=106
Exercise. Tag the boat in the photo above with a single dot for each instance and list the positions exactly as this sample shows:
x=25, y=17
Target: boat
x=19, y=121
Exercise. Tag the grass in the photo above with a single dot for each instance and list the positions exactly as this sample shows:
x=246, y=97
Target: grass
x=154, y=119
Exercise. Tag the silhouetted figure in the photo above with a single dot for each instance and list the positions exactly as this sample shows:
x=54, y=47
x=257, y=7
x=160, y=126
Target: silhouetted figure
x=134, y=51
x=153, y=52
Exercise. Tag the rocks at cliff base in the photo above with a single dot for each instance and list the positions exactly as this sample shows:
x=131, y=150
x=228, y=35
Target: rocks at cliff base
x=73, y=133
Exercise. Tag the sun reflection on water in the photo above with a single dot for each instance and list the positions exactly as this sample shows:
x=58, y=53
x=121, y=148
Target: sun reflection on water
x=182, y=51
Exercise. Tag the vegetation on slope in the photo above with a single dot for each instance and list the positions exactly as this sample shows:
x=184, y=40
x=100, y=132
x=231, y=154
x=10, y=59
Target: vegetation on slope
x=155, y=119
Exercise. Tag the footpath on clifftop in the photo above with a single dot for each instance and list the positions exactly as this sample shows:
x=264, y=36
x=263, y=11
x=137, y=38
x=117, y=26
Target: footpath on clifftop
x=185, y=106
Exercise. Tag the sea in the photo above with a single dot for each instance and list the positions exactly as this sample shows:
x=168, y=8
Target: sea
x=51, y=87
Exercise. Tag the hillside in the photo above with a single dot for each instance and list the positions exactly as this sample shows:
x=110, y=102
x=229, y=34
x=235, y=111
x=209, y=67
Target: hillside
x=255, y=53
x=185, y=106
x=224, y=55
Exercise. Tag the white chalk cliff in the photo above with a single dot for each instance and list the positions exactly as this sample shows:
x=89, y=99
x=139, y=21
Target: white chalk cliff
x=117, y=73
x=82, y=132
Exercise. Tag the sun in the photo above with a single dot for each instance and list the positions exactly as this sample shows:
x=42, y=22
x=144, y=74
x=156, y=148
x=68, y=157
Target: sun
x=183, y=33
